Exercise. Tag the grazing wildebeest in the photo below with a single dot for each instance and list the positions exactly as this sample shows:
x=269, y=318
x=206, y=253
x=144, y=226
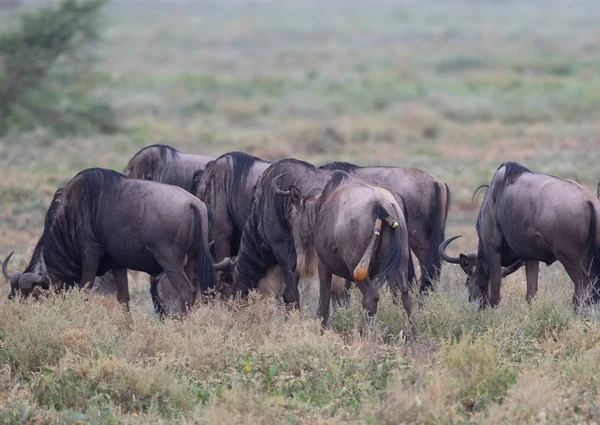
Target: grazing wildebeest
x=164, y=164
x=343, y=225
x=532, y=217
x=227, y=187
x=427, y=201
x=267, y=238
x=101, y=220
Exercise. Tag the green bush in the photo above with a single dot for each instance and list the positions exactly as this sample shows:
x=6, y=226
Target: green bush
x=44, y=71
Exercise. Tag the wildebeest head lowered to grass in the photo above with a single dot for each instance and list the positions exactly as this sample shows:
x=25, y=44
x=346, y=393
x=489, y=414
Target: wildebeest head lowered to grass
x=358, y=232
x=165, y=164
x=426, y=200
x=533, y=217
x=101, y=220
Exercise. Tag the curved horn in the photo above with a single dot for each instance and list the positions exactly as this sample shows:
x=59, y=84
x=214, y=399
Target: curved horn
x=211, y=244
x=5, y=265
x=512, y=268
x=28, y=280
x=442, y=251
x=476, y=192
x=226, y=263
x=276, y=189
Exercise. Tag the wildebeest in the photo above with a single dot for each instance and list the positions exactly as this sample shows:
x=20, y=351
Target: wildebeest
x=427, y=201
x=267, y=238
x=533, y=217
x=343, y=225
x=101, y=220
x=165, y=164
x=227, y=187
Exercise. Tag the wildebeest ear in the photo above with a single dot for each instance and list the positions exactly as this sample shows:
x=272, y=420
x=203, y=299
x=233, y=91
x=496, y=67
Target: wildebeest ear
x=465, y=263
x=295, y=195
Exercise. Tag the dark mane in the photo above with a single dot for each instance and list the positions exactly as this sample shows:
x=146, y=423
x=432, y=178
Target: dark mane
x=242, y=164
x=337, y=178
x=156, y=163
x=85, y=197
x=338, y=165
x=196, y=180
x=162, y=150
x=512, y=171
x=294, y=161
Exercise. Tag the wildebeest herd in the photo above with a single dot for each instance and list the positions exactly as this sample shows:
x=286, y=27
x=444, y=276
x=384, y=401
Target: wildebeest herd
x=200, y=225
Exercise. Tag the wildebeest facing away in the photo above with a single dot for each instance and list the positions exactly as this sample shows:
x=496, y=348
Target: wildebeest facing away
x=343, y=225
x=101, y=220
x=533, y=217
x=426, y=200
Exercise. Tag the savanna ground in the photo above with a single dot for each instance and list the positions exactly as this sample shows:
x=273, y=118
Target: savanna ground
x=454, y=88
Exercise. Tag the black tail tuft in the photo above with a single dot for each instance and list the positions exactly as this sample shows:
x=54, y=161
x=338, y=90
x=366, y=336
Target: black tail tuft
x=595, y=252
x=435, y=237
x=206, y=270
x=390, y=268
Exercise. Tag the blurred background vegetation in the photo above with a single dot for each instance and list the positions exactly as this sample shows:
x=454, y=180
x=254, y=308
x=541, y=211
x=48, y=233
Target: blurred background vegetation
x=46, y=74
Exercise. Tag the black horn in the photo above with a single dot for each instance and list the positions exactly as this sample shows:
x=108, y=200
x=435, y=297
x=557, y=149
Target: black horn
x=226, y=263
x=276, y=189
x=5, y=265
x=512, y=268
x=442, y=250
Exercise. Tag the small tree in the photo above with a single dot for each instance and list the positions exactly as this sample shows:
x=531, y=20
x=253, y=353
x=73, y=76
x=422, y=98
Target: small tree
x=38, y=61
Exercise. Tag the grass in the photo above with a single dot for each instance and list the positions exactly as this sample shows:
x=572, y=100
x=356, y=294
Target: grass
x=454, y=88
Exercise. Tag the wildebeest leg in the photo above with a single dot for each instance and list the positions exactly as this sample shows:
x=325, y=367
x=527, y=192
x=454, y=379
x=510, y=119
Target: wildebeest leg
x=343, y=299
x=420, y=252
x=173, y=267
x=222, y=248
x=291, y=295
x=89, y=270
x=495, y=264
x=191, y=268
x=581, y=281
x=407, y=303
x=532, y=268
x=120, y=275
x=156, y=302
x=324, y=293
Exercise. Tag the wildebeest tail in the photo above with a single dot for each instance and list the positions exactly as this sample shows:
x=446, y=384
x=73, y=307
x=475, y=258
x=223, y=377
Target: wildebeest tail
x=392, y=261
x=595, y=251
x=435, y=236
x=206, y=270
